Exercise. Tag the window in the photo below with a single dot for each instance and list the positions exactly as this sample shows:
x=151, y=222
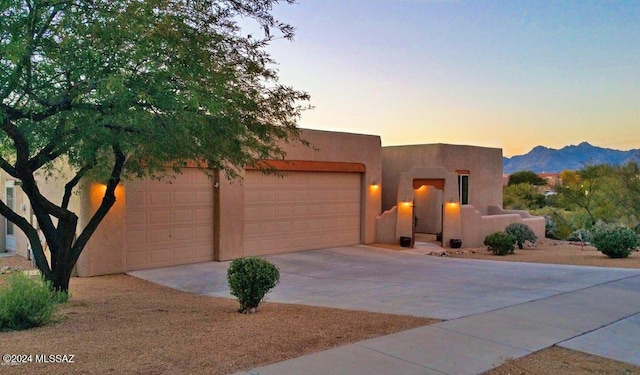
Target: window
x=463, y=188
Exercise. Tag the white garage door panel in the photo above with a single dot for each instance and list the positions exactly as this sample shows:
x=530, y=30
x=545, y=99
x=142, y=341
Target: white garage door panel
x=169, y=224
x=303, y=210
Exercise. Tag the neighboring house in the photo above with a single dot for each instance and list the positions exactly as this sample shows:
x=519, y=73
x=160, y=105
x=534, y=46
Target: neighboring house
x=450, y=191
x=553, y=179
x=331, y=194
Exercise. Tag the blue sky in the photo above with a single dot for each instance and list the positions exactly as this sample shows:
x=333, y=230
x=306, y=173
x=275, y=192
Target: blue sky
x=508, y=74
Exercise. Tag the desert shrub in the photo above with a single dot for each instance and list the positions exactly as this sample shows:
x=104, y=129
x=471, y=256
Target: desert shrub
x=580, y=235
x=613, y=240
x=522, y=233
x=26, y=303
x=550, y=228
x=500, y=243
x=250, y=279
x=566, y=222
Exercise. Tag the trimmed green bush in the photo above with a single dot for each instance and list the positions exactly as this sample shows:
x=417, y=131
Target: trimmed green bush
x=26, y=303
x=250, y=279
x=613, y=240
x=522, y=233
x=500, y=243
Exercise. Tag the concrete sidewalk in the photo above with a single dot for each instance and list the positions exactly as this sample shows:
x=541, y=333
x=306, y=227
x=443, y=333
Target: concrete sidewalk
x=494, y=310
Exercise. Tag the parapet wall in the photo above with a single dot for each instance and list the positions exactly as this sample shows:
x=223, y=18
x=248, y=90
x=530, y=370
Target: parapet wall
x=475, y=227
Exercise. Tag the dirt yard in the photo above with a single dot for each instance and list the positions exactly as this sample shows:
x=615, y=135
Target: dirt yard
x=551, y=252
x=120, y=324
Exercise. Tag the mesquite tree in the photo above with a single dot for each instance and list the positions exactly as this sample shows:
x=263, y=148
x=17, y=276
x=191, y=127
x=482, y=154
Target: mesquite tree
x=116, y=89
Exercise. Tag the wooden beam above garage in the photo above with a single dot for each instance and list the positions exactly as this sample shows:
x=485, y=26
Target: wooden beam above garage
x=308, y=166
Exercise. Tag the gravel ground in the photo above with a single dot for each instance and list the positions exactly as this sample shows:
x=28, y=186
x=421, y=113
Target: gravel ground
x=560, y=361
x=122, y=325
x=553, y=252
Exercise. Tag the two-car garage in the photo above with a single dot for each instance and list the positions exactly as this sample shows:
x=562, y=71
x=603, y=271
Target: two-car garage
x=323, y=197
x=172, y=224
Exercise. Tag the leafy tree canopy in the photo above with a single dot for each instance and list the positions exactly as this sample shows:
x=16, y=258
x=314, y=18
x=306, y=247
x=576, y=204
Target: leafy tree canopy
x=522, y=197
x=121, y=88
x=526, y=177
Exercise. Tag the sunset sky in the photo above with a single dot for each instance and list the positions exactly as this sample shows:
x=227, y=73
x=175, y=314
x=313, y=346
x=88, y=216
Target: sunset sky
x=508, y=74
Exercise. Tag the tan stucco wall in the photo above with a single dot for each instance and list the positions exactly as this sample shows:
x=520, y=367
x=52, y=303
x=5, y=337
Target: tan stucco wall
x=476, y=226
x=105, y=252
x=536, y=223
x=437, y=209
x=386, y=226
x=325, y=146
x=484, y=165
x=406, y=197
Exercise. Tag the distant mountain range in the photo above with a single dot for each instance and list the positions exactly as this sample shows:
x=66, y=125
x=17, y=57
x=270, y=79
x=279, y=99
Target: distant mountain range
x=549, y=160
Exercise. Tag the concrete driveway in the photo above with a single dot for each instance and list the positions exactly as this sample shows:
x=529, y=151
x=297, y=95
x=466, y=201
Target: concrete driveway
x=494, y=310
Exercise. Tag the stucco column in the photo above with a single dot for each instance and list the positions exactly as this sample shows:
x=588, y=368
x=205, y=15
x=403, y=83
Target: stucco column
x=404, y=223
x=230, y=219
x=451, y=225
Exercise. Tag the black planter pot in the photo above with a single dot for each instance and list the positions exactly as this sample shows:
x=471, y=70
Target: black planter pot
x=455, y=243
x=405, y=241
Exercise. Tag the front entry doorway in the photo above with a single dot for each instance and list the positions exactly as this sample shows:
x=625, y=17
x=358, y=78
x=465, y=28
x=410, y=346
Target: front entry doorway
x=428, y=210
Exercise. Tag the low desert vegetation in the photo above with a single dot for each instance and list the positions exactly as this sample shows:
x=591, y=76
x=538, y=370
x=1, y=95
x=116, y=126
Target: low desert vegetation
x=500, y=243
x=27, y=302
x=595, y=193
x=614, y=241
x=522, y=233
x=250, y=279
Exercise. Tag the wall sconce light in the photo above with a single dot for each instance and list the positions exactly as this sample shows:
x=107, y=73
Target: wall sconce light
x=374, y=184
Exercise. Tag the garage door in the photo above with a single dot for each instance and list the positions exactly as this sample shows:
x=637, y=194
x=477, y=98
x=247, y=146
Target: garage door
x=169, y=224
x=303, y=210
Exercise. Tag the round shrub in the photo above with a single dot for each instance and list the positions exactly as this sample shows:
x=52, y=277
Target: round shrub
x=613, y=241
x=250, y=279
x=26, y=303
x=500, y=243
x=522, y=233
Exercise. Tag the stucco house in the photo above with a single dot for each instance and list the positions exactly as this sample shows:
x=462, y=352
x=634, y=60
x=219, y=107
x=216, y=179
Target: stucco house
x=326, y=197
x=331, y=194
x=449, y=191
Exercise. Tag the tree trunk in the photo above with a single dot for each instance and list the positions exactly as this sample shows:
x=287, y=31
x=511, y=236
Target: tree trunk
x=61, y=277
